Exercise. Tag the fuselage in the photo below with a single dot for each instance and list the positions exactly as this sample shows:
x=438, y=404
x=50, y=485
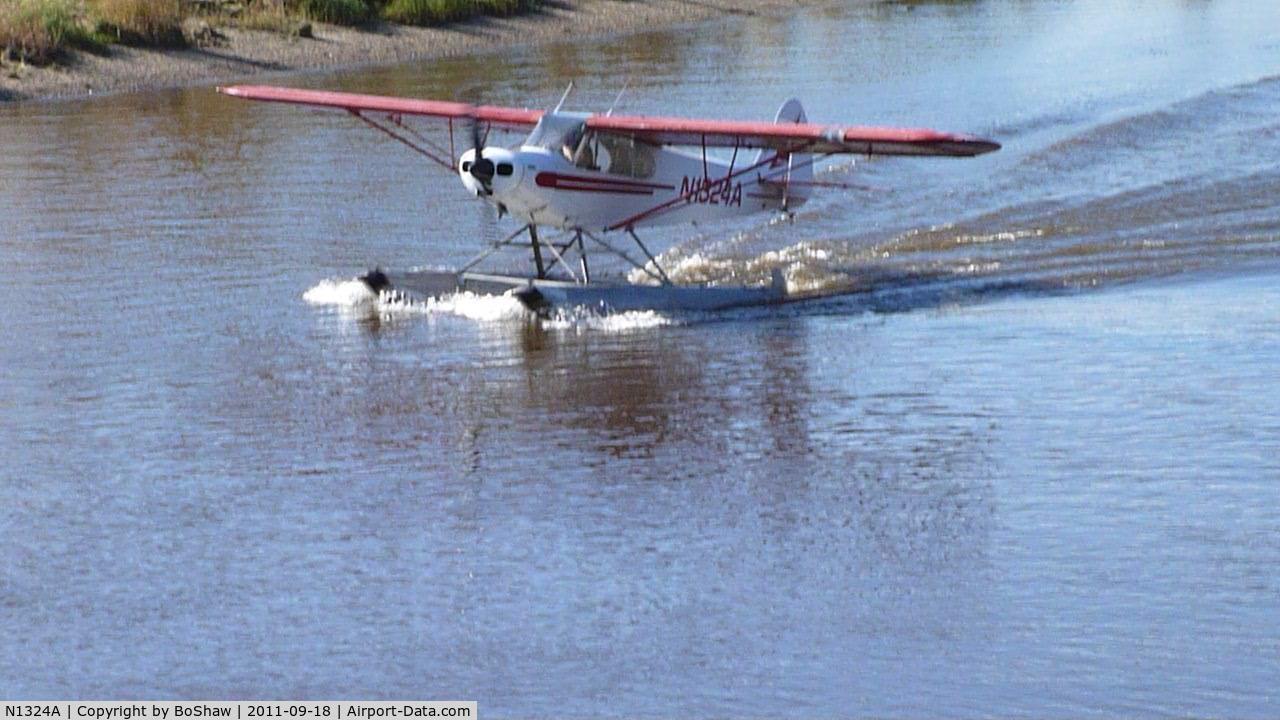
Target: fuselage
x=564, y=176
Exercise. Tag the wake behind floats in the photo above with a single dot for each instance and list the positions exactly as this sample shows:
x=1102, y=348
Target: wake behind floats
x=595, y=179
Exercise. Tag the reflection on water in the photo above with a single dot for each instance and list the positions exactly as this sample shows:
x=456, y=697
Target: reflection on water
x=1017, y=457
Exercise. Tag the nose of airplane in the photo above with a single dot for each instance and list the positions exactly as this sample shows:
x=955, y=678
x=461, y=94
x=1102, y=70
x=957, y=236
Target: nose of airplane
x=472, y=178
x=492, y=173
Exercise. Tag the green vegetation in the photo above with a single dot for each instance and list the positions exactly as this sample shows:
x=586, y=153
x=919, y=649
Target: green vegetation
x=436, y=12
x=284, y=15
x=269, y=18
x=339, y=12
x=39, y=31
x=140, y=22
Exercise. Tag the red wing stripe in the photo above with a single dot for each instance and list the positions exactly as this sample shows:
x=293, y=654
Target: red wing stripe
x=785, y=137
x=781, y=137
x=506, y=116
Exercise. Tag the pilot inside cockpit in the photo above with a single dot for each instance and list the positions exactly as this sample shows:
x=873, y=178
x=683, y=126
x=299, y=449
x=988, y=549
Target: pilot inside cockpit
x=577, y=148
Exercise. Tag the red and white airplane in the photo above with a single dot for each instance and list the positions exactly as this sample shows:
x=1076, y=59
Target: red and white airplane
x=593, y=175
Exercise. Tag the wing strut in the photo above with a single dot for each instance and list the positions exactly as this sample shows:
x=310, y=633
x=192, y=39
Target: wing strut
x=404, y=140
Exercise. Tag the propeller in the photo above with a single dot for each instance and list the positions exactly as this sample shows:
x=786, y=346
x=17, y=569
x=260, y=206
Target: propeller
x=481, y=167
x=483, y=170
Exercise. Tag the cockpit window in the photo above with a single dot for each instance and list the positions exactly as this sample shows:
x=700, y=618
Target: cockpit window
x=620, y=155
x=505, y=168
x=567, y=134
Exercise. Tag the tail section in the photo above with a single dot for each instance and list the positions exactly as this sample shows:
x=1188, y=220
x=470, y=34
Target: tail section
x=790, y=112
x=789, y=174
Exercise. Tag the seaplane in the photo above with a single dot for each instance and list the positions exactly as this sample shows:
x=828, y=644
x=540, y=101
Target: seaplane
x=579, y=183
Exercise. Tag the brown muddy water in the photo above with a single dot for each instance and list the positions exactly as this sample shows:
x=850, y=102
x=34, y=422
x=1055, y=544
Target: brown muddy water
x=1024, y=460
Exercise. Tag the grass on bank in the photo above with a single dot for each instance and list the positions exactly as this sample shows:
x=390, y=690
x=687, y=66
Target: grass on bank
x=285, y=17
x=278, y=14
x=272, y=17
x=38, y=31
x=140, y=22
x=436, y=12
x=339, y=12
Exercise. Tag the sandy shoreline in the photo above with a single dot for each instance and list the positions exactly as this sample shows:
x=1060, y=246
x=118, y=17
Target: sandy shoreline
x=246, y=53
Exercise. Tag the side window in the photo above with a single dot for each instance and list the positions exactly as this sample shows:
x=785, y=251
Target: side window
x=628, y=157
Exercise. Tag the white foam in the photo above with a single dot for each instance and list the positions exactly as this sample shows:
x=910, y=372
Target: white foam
x=342, y=293
x=1006, y=236
x=485, y=308
x=805, y=267
x=585, y=320
x=355, y=295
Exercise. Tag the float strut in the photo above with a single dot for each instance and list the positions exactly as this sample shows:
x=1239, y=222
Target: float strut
x=537, y=252
x=582, y=255
x=662, y=273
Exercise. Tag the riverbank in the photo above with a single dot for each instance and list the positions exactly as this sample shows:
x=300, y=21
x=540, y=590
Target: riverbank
x=240, y=54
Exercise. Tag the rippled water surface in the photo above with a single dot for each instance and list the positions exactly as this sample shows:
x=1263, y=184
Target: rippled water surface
x=1020, y=458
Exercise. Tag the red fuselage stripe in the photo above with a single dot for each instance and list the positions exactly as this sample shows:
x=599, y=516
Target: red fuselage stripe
x=610, y=191
x=599, y=184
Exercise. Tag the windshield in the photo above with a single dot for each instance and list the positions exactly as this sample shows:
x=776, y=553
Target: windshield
x=556, y=130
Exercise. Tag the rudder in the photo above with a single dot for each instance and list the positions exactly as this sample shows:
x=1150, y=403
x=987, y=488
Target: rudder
x=794, y=173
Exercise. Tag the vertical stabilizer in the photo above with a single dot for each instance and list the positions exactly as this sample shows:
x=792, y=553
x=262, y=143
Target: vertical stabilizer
x=792, y=173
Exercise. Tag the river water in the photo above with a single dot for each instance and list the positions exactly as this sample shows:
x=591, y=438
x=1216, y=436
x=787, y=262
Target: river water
x=1023, y=460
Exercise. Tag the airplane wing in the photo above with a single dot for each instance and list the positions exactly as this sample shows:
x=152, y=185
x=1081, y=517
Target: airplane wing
x=783, y=137
x=513, y=118
x=793, y=137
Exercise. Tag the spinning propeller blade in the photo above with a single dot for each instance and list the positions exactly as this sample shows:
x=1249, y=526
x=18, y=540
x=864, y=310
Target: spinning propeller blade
x=481, y=167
